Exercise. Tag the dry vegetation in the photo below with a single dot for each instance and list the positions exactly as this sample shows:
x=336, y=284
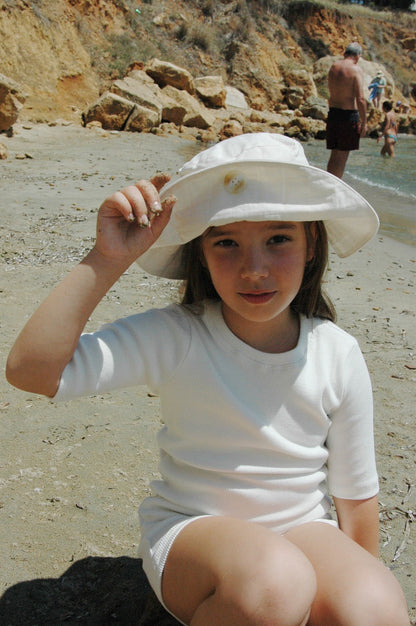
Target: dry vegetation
x=65, y=52
x=219, y=30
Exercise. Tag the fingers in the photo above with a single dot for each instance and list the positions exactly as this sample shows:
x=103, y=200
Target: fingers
x=136, y=205
x=140, y=204
x=159, y=222
x=150, y=195
x=144, y=199
x=159, y=180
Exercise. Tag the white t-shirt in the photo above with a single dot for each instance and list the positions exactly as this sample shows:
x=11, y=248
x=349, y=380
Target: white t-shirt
x=260, y=436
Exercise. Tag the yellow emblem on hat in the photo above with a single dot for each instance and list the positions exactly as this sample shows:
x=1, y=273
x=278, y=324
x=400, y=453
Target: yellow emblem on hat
x=234, y=182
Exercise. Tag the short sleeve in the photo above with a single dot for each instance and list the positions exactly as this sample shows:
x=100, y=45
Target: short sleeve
x=352, y=472
x=142, y=349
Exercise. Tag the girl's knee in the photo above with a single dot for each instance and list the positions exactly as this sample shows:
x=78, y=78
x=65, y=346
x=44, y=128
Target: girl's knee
x=225, y=571
x=278, y=590
x=374, y=598
x=384, y=601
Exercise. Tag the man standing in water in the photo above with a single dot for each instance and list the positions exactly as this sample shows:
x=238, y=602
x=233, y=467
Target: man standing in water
x=347, y=117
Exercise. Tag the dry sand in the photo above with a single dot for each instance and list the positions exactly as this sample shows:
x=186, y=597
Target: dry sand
x=73, y=475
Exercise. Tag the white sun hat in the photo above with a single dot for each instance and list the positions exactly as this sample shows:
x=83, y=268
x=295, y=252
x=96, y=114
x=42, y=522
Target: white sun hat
x=257, y=177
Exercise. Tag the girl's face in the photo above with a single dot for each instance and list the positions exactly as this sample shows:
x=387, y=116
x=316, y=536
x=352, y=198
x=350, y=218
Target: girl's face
x=257, y=270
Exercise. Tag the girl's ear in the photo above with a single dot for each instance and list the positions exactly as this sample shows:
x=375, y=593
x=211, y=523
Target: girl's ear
x=311, y=237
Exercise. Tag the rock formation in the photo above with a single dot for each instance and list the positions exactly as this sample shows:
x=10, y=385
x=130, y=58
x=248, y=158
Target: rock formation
x=164, y=98
x=12, y=99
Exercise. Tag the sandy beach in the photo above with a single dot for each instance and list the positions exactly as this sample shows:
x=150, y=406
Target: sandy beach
x=72, y=475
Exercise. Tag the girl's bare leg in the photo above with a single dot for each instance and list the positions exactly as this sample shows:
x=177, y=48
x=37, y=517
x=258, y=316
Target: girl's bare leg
x=388, y=147
x=226, y=571
x=354, y=588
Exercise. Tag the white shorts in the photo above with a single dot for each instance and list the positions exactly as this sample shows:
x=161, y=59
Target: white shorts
x=154, y=555
x=159, y=531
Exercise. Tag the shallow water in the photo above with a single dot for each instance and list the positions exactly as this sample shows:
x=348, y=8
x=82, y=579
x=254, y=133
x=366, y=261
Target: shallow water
x=388, y=184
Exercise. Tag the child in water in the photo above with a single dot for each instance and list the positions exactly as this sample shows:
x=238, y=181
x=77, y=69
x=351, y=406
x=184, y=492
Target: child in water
x=267, y=404
x=389, y=130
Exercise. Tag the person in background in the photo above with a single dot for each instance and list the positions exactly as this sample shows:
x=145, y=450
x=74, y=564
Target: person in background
x=389, y=130
x=402, y=107
x=377, y=86
x=347, y=116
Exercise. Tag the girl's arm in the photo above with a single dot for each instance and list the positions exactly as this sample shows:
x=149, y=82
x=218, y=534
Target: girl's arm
x=128, y=223
x=359, y=520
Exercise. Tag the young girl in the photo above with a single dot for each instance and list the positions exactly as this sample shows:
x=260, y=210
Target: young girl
x=389, y=130
x=266, y=403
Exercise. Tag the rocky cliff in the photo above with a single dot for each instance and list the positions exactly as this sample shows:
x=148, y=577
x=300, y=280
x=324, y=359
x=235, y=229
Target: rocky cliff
x=65, y=53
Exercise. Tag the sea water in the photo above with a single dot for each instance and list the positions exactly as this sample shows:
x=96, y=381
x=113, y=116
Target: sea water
x=389, y=184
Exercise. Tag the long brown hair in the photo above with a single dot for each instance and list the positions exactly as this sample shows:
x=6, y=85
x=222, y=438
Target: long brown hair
x=310, y=300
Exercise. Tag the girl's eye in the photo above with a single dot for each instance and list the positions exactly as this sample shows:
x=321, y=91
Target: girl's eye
x=278, y=239
x=225, y=243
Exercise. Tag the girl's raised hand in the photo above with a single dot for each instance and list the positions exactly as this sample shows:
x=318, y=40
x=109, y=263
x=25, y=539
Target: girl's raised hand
x=131, y=220
x=128, y=223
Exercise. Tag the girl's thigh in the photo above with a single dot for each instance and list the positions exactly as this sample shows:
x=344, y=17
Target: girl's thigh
x=353, y=587
x=227, y=571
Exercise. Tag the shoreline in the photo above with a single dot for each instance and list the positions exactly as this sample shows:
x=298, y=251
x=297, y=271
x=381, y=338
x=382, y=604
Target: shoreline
x=72, y=475
x=381, y=181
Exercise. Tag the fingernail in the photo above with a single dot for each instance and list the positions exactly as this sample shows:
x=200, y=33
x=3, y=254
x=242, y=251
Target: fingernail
x=143, y=221
x=170, y=200
x=131, y=217
x=156, y=207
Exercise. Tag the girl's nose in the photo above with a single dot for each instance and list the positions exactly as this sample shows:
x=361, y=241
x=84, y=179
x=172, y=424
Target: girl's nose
x=254, y=265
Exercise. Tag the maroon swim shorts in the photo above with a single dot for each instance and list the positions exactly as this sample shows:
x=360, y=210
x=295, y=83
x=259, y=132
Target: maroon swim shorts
x=343, y=129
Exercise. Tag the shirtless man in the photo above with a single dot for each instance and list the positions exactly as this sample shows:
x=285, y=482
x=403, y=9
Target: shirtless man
x=347, y=117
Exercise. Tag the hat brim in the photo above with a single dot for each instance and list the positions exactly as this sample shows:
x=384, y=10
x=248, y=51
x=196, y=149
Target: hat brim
x=259, y=191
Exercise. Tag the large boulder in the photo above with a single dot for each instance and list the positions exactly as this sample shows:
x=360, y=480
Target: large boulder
x=211, y=90
x=145, y=94
x=173, y=110
x=165, y=73
x=294, y=96
x=111, y=110
x=12, y=99
x=374, y=120
x=273, y=120
x=139, y=74
x=315, y=107
x=320, y=74
x=139, y=87
x=300, y=78
x=142, y=119
x=232, y=128
x=235, y=99
x=196, y=113
x=403, y=123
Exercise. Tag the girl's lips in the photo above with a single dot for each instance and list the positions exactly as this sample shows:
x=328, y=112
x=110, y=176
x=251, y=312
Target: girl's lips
x=258, y=298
